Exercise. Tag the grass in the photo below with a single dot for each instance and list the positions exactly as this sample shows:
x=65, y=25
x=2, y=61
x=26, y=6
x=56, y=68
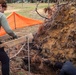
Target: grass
x=26, y=9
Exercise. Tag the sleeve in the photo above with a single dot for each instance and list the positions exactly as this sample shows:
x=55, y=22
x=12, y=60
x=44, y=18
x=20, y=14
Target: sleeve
x=6, y=26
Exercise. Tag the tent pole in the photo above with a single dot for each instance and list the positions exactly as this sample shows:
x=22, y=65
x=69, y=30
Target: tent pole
x=14, y=21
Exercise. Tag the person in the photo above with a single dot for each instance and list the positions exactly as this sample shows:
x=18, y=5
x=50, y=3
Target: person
x=66, y=68
x=4, y=24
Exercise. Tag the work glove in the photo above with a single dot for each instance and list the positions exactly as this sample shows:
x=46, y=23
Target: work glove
x=0, y=42
x=15, y=37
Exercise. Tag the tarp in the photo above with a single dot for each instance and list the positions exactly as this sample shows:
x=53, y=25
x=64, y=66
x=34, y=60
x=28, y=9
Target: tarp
x=17, y=21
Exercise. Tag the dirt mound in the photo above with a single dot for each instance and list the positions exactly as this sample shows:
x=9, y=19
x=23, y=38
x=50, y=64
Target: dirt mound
x=54, y=41
x=59, y=33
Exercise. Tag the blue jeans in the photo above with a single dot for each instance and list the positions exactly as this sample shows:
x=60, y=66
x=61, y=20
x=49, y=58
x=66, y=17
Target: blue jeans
x=4, y=61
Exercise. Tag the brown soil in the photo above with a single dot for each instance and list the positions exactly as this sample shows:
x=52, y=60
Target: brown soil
x=54, y=41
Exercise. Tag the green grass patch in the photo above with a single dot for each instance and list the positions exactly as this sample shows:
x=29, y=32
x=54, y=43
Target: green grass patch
x=26, y=9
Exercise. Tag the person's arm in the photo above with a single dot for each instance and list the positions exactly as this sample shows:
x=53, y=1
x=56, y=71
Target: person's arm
x=6, y=26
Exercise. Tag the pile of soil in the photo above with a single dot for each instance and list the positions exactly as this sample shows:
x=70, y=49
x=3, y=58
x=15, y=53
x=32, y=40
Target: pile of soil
x=55, y=41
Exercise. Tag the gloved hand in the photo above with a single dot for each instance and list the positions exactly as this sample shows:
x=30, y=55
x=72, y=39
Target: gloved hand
x=15, y=37
x=0, y=42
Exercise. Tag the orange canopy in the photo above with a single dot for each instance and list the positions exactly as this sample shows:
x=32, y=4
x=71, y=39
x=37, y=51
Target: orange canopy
x=17, y=21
